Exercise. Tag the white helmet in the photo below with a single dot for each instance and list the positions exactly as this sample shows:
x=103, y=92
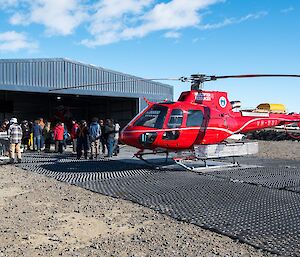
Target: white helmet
x=13, y=120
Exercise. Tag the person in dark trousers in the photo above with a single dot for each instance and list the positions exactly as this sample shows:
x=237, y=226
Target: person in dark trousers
x=47, y=132
x=110, y=137
x=116, y=138
x=37, y=135
x=82, y=139
x=102, y=137
x=74, y=129
x=26, y=135
x=59, y=137
x=66, y=135
x=94, y=137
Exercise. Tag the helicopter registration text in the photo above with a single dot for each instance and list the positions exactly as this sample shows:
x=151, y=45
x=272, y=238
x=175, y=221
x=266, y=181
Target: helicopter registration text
x=204, y=96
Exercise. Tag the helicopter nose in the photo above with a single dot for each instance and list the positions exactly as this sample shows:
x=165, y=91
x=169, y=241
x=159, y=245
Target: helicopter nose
x=129, y=137
x=122, y=137
x=137, y=138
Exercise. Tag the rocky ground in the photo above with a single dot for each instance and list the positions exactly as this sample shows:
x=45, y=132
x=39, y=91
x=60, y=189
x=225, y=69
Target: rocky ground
x=40, y=216
x=289, y=150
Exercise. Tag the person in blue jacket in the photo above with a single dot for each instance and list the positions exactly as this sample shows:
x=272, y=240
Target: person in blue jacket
x=37, y=135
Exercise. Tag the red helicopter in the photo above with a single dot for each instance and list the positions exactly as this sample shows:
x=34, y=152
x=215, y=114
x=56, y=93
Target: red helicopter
x=198, y=117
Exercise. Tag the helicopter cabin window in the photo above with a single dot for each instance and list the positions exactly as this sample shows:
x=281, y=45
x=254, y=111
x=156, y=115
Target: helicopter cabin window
x=175, y=120
x=153, y=118
x=195, y=118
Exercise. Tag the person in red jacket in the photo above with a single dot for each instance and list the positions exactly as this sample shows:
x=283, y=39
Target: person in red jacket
x=59, y=137
x=74, y=129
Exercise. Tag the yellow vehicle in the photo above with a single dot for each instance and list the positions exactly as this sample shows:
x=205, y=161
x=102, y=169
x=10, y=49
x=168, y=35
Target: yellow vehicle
x=271, y=108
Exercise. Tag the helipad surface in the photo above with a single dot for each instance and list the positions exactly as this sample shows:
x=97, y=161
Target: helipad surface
x=258, y=205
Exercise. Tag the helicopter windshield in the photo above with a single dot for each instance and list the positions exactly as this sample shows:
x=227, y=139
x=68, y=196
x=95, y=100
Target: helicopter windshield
x=153, y=118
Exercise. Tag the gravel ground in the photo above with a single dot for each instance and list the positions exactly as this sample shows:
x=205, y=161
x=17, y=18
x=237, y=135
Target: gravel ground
x=289, y=150
x=40, y=216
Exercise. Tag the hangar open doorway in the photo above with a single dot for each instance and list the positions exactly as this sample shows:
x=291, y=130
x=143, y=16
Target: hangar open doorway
x=30, y=106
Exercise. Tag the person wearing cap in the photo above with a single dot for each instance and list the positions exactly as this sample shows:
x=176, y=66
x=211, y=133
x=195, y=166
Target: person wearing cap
x=15, y=134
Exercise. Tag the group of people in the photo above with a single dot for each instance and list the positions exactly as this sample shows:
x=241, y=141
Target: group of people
x=98, y=133
x=39, y=135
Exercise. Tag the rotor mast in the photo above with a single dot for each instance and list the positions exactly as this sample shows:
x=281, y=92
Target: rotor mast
x=197, y=80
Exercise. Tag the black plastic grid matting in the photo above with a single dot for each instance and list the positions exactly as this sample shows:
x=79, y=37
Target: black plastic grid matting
x=265, y=218
x=85, y=170
x=260, y=210
x=278, y=178
x=279, y=163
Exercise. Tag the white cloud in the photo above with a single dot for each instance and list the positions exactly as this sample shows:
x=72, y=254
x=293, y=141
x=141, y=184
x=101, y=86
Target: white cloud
x=109, y=27
x=172, y=34
x=13, y=41
x=112, y=17
x=60, y=17
x=110, y=21
x=230, y=21
x=287, y=10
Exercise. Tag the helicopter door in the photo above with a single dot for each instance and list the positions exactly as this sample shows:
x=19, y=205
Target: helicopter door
x=175, y=121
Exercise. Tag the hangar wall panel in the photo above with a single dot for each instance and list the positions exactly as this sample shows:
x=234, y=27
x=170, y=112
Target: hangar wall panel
x=40, y=75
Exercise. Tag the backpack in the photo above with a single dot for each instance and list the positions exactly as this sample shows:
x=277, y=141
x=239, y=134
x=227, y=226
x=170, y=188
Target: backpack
x=94, y=132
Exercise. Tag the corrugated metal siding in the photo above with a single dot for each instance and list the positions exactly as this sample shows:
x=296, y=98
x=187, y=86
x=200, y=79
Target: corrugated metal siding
x=58, y=73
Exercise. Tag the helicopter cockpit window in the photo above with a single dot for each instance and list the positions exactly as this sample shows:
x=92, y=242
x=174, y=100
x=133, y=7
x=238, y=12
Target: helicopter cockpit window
x=175, y=120
x=153, y=118
x=195, y=118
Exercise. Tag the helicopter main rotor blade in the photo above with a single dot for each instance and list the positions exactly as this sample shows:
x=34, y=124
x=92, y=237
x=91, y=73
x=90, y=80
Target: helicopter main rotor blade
x=253, y=76
x=113, y=82
x=198, y=78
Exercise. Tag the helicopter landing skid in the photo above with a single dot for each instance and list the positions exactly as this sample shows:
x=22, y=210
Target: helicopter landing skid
x=205, y=165
x=140, y=155
x=207, y=154
x=184, y=159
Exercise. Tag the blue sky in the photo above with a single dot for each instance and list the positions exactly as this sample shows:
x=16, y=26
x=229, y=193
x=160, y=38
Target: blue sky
x=170, y=38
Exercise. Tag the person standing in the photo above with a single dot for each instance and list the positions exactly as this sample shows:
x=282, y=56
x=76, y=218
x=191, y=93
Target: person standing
x=15, y=134
x=110, y=137
x=26, y=135
x=58, y=137
x=74, y=129
x=37, y=134
x=42, y=125
x=66, y=134
x=94, y=136
x=48, y=136
x=82, y=139
x=102, y=137
x=116, y=138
